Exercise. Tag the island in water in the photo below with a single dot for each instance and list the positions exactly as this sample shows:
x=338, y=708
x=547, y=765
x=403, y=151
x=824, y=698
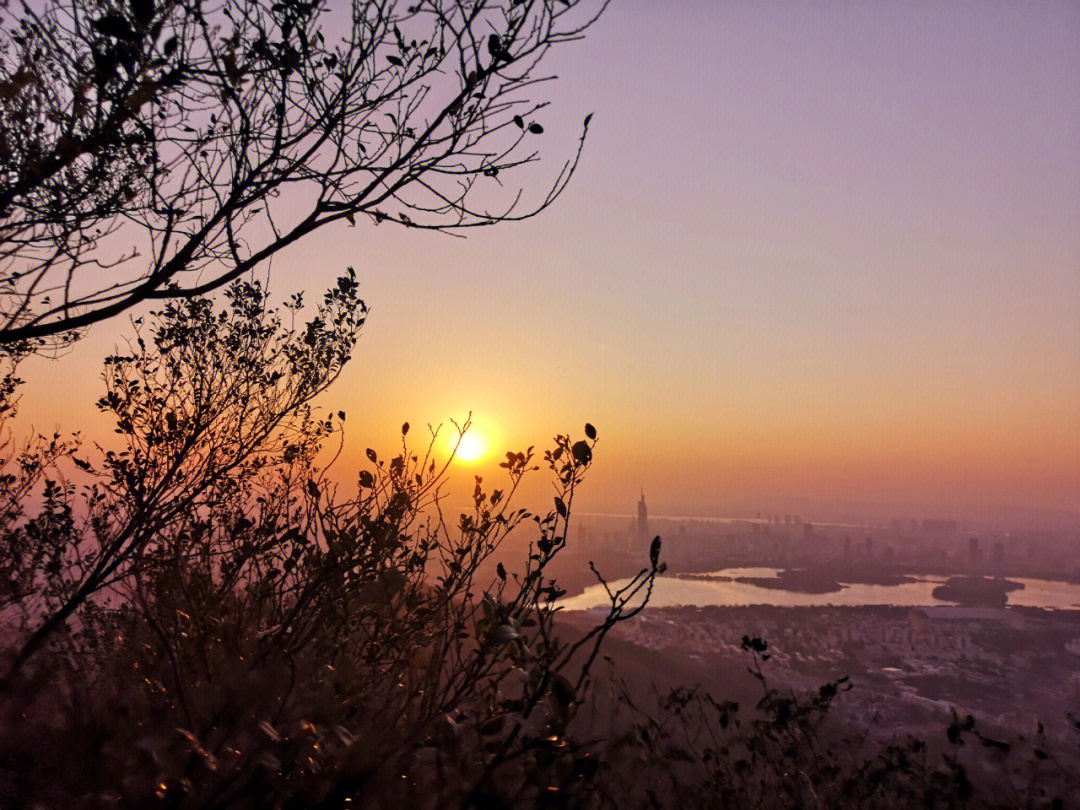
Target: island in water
x=817, y=580
x=796, y=580
x=976, y=591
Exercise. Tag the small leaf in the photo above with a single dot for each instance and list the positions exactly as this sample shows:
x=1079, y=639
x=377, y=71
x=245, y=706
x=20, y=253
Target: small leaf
x=582, y=453
x=590, y=431
x=500, y=569
x=366, y=479
x=405, y=429
x=654, y=551
x=560, y=507
x=536, y=129
x=393, y=60
x=519, y=121
x=371, y=455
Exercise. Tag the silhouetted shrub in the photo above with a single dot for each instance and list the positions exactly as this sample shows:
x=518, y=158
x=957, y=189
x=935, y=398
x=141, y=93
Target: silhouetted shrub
x=205, y=621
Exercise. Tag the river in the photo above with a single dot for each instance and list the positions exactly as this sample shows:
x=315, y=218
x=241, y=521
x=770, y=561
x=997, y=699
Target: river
x=671, y=591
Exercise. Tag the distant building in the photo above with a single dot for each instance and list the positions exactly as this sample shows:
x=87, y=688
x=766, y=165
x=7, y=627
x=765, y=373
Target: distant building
x=975, y=557
x=641, y=532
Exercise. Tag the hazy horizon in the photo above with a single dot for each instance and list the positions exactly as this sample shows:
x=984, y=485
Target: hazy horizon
x=827, y=252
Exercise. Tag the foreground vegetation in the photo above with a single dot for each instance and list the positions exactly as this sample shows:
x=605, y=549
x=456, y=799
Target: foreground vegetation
x=204, y=616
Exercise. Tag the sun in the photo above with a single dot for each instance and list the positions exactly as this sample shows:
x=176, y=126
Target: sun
x=473, y=446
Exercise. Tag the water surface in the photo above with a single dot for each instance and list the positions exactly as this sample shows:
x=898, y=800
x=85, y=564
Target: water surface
x=671, y=591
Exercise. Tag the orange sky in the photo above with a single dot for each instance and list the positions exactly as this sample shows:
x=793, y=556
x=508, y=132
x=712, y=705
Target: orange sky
x=829, y=253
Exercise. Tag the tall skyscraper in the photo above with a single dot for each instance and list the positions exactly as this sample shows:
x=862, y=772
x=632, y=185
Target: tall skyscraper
x=642, y=521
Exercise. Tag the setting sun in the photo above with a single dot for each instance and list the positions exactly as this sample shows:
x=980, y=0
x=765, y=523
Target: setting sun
x=473, y=446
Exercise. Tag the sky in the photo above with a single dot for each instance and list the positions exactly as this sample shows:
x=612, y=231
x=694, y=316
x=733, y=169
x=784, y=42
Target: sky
x=814, y=252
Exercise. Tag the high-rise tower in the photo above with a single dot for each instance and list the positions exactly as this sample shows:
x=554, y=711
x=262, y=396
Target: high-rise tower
x=642, y=521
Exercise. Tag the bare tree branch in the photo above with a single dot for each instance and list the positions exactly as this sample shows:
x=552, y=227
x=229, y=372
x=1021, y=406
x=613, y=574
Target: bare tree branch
x=156, y=150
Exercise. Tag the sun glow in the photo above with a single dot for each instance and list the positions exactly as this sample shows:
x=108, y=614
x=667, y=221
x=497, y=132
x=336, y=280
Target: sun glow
x=473, y=446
